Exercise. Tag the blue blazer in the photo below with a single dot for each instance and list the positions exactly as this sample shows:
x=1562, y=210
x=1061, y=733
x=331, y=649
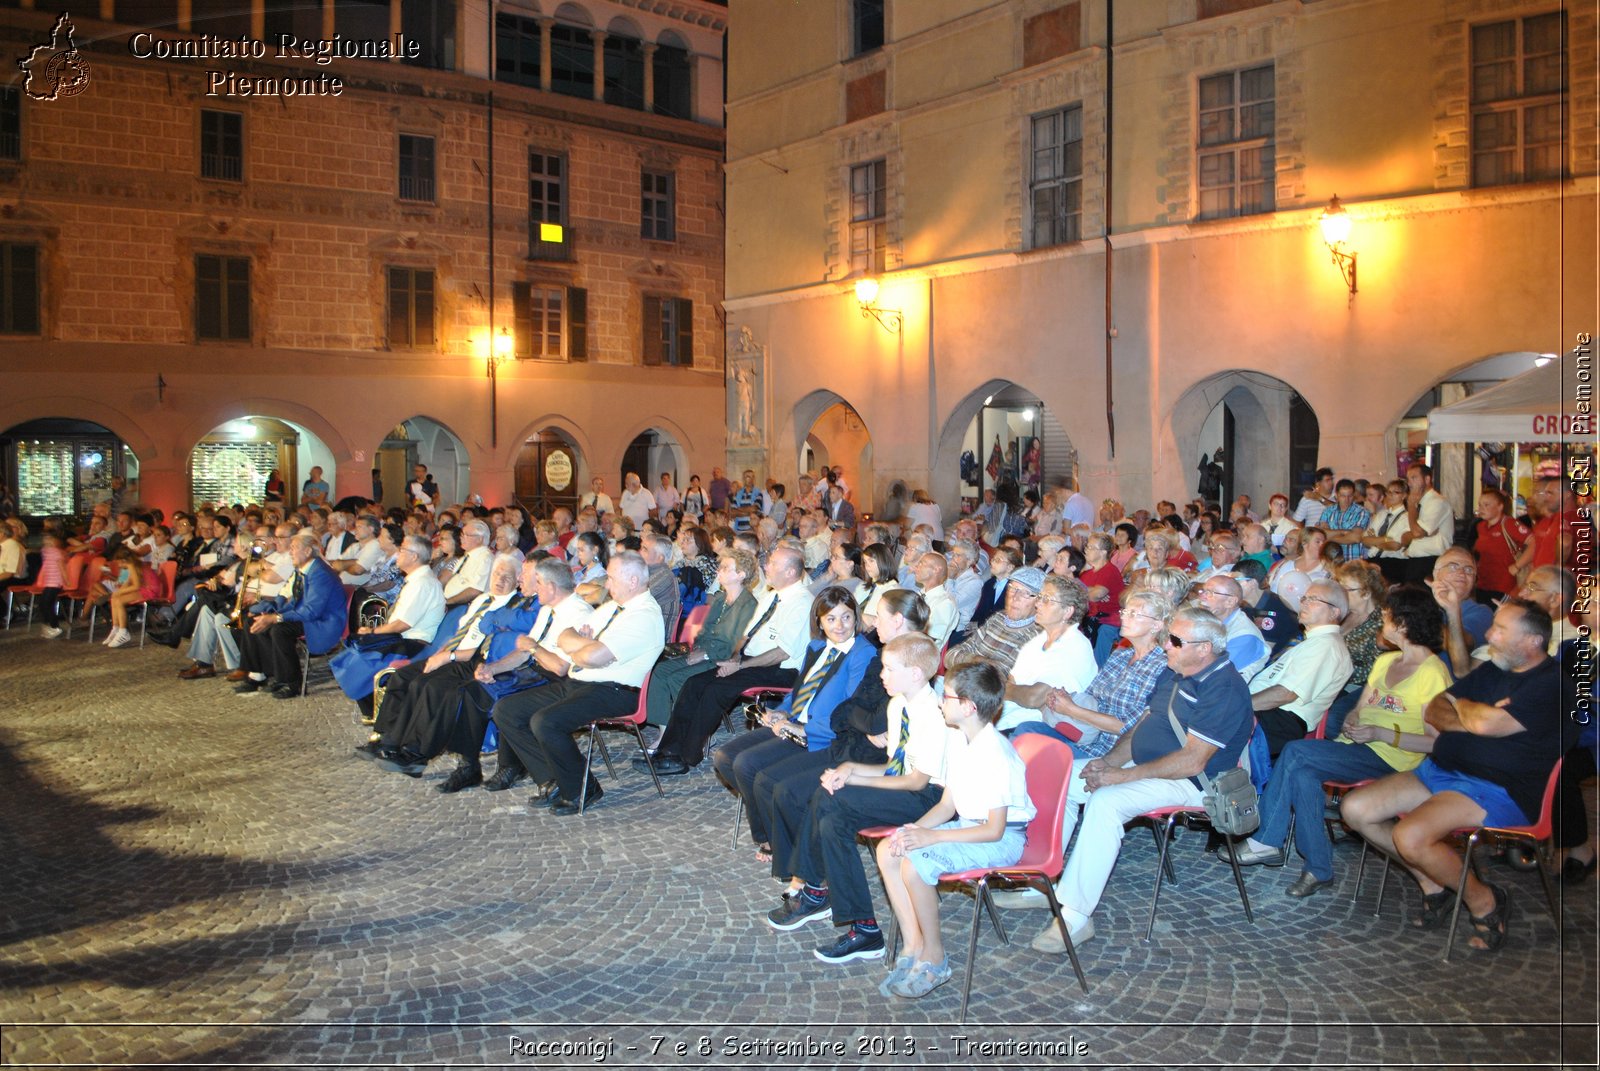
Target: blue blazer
x=843, y=677
x=320, y=610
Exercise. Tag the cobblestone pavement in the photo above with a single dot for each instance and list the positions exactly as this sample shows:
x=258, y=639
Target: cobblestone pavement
x=196, y=876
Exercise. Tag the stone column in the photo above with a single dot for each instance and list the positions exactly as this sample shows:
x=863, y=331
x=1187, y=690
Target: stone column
x=394, y=32
x=650, y=76
x=545, y=23
x=599, y=65
x=328, y=21
x=164, y=488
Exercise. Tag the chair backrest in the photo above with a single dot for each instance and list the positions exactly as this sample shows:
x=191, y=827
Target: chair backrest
x=1321, y=731
x=693, y=623
x=169, y=578
x=73, y=572
x=1545, y=825
x=1049, y=766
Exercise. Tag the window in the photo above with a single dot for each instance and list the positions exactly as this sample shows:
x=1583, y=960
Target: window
x=10, y=123
x=221, y=145
x=1236, y=162
x=572, y=61
x=361, y=20
x=866, y=23
x=516, y=50
x=672, y=81
x=410, y=307
x=432, y=25
x=624, y=73
x=1056, y=181
x=868, y=213
x=19, y=289
x=1518, y=80
x=550, y=322
x=416, y=168
x=222, y=298
x=668, y=331
x=547, y=207
x=656, y=215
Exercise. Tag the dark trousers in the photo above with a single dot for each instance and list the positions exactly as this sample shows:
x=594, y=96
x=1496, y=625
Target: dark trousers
x=1420, y=570
x=739, y=761
x=395, y=647
x=1571, y=813
x=782, y=795
x=1393, y=569
x=537, y=726
x=272, y=651
x=50, y=597
x=703, y=702
x=828, y=854
x=397, y=697
x=439, y=705
x=1281, y=726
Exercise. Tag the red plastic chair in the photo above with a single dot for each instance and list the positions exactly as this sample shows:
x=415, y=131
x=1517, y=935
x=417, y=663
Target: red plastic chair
x=1540, y=834
x=169, y=584
x=1049, y=765
x=1337, y=791
x=1163, y=821
x=693, y=623
x=633, y=722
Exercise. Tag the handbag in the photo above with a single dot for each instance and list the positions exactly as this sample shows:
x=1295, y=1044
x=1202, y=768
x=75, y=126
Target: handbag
x=1230, y=798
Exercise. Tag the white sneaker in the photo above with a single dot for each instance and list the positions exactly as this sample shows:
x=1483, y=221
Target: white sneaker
x=50, y=632
x=121, y=638
x=1049, y=940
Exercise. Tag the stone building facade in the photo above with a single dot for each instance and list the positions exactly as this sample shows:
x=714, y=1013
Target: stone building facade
x=187, y=264
x=1119, y=222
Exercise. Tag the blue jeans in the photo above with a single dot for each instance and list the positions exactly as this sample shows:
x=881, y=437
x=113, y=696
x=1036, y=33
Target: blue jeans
x=1104, y=641
x=1339, y=710
x=1296, y=788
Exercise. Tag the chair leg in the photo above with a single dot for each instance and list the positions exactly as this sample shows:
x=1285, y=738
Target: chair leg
x=1361, y=870
x=738, y=820
x=605, y=753
x=1383, y=885
x=1238, y=879
x=980, y=897
x=1461, y=889
x=649, y=763
x=1155, y=833
x=1162, y=869
x=1546, y=857
x=994, y=913
x=1066, y=938
x=144, y=623
x=94, y=612
x=588, y=765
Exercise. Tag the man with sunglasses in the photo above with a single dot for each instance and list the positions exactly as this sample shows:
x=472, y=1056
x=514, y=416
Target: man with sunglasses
x=1150, y=766
x=1292, y=693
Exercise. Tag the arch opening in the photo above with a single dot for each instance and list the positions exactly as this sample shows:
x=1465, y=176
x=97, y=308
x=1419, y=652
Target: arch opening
x=549, y=472
x=423, y=441
x=1001, y=434
x=63, y=467
x=651, y=453
x=830, y=431
x=1245, y=432
x=234, y=460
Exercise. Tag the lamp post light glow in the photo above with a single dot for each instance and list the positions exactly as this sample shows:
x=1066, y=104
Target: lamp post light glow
x=867, y=297
x=1335, y=225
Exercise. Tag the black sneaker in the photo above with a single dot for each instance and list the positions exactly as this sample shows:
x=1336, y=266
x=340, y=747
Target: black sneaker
x=249, y=686
x=855, y=944
x=794, y=913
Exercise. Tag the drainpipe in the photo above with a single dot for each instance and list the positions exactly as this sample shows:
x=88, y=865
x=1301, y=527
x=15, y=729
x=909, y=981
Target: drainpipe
x=1111, y=406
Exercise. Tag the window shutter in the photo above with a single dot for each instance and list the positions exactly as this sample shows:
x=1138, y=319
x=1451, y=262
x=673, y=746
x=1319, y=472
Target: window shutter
x=522, y=317
x=652, y=330
x=577, y=323
x=684, y=320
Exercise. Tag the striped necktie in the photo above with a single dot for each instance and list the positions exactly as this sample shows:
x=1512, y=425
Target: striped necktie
x=897, y=762
x=466, y=626
x=297, y=587
x=812, y=684
x=750, y=633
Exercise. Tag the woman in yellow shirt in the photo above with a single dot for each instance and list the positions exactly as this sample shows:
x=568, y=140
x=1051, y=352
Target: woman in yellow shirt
x=1387, y=734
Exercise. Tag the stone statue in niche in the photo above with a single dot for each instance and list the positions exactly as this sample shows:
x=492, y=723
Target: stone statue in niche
x=745, y=371
x=744, y=380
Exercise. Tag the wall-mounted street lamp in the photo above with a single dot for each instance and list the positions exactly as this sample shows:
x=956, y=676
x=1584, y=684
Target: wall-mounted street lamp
x=1335, y=224
x=867, y=297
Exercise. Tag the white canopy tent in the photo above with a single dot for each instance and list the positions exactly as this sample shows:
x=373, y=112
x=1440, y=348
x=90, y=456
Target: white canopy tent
x=1545, y=405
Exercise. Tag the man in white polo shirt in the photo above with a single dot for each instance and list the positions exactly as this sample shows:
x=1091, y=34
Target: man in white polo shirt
x=638, y=504
x=767, y=656
x=611, y=656
x=1292, y=694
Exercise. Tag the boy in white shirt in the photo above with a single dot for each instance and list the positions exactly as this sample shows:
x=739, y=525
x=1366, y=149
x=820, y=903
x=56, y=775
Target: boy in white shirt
x=860, y=795
x=981, y=821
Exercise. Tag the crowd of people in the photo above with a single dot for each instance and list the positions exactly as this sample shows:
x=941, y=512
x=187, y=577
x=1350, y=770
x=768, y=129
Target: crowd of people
x=897, y=657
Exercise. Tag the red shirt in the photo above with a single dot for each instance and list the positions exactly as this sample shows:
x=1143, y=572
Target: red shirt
x=1182, y=559
x=1108, y=576
x=1580, y=535
x=1495, y=554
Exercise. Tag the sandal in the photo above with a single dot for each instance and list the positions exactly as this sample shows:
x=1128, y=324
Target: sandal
x=922, y=979
x=1489, y=931
x=1434, y=908
x=763, y=853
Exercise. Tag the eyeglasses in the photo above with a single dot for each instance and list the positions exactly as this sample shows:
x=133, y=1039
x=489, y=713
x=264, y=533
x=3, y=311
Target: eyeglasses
x=1457, y=567
x=1218, y=594
x=1136, y=613
x=1318, y=598
x=1178, y=641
